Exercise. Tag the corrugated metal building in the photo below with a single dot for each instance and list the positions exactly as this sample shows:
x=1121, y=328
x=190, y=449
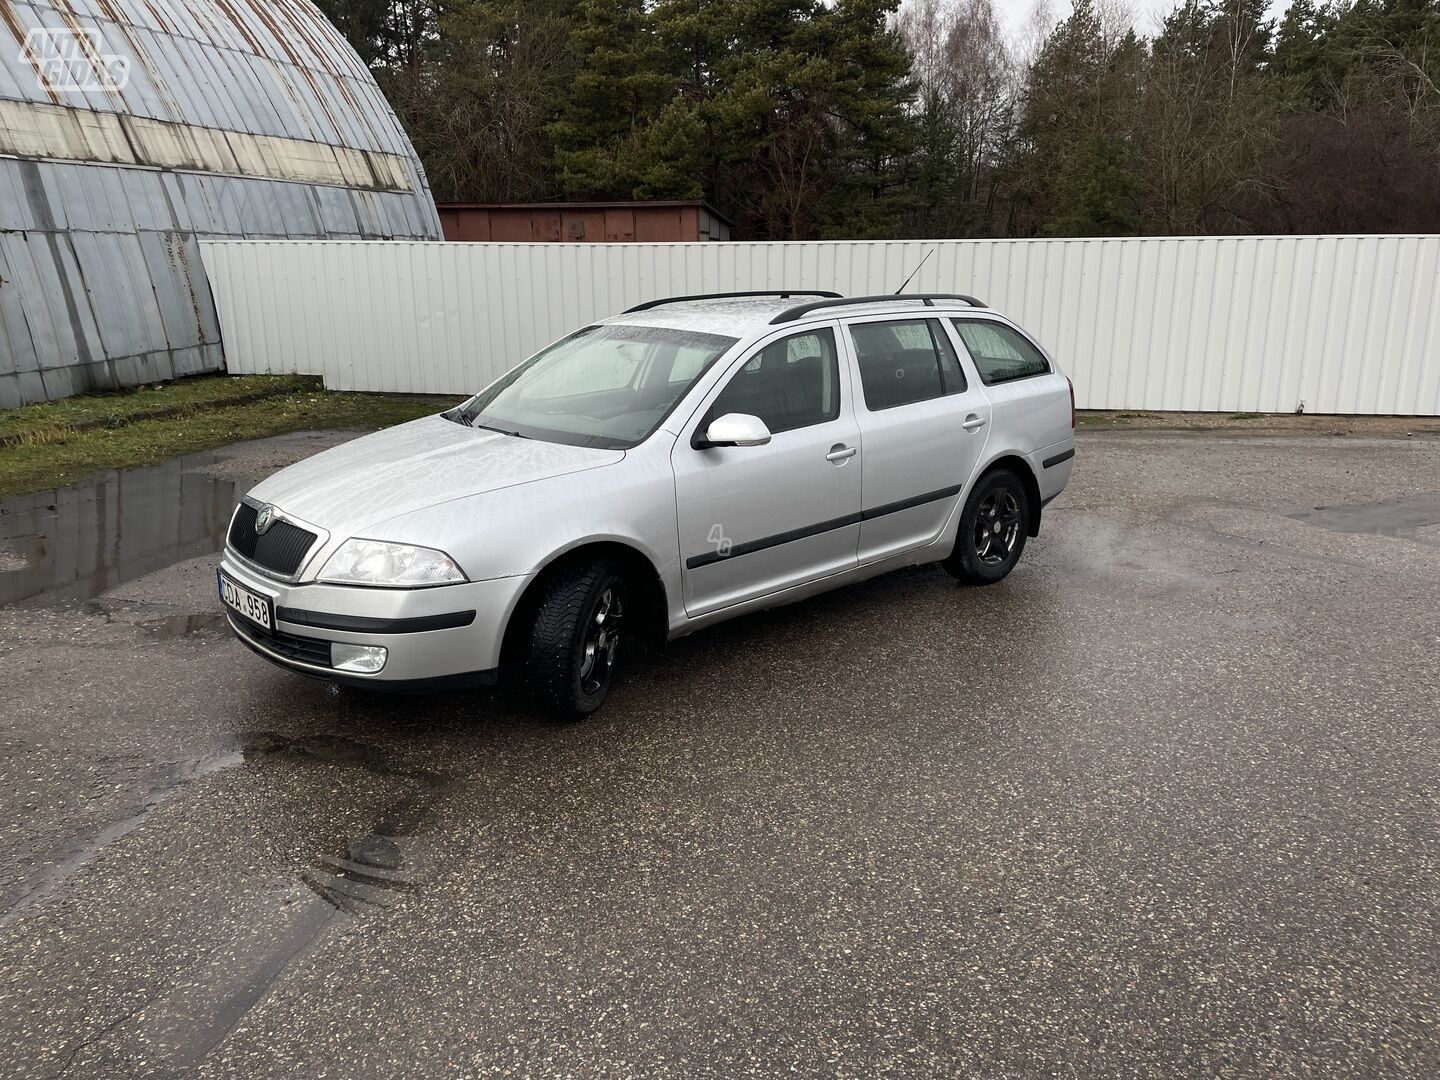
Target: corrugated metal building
x=655, y=222
x=130, y=128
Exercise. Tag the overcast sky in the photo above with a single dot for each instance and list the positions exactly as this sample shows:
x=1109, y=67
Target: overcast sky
x=1148, y=13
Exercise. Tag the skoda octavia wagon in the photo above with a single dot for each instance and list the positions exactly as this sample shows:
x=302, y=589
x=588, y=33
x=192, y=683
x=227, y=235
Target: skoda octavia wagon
x=690, y=460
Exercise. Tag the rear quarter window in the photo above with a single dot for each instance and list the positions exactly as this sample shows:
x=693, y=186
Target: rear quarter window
x=1000, y=353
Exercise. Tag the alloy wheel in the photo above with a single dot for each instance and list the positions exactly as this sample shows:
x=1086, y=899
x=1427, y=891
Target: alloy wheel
x=997, y=526
x=602, y=640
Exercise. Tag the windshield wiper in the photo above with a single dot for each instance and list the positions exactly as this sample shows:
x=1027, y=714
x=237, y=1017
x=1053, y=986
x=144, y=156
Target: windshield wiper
x=501, y=430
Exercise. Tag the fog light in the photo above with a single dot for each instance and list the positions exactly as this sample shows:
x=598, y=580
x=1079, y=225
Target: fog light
x=366, y=659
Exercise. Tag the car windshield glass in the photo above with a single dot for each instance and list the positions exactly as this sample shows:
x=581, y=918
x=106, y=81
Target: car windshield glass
x=607, y=386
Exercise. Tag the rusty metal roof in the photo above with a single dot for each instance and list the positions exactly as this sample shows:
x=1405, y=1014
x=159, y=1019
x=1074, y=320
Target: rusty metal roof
x=235, y=118
x=614, y=204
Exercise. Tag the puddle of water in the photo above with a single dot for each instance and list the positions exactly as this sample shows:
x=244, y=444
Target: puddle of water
x=1401, y=517
x=169, y=627
x=74, y=543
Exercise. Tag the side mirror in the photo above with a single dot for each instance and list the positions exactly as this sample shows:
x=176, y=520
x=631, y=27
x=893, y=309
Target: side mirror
x=736, y=429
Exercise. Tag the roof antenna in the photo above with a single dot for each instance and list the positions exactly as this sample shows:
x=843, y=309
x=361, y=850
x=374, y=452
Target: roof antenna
x=914, y=272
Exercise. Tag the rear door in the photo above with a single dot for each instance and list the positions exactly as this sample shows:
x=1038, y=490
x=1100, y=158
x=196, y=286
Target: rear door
x=924, y=423
x=758, y=519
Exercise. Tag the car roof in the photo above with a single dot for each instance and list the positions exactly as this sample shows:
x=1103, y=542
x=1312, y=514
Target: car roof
x=749, y=316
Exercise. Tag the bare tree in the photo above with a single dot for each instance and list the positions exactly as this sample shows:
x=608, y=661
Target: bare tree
x=1206, y=120
x=1034, y=32
x=967, y=82
x=1117, y=21
x=979, y=82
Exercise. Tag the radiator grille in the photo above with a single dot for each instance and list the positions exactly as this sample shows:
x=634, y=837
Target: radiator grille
x=282, y=547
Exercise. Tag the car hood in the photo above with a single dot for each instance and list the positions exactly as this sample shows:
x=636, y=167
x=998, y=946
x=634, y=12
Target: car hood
x=412, y=466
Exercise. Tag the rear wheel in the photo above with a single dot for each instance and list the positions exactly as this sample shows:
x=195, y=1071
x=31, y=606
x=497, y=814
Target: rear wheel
x=575, y=640
x=993, y=527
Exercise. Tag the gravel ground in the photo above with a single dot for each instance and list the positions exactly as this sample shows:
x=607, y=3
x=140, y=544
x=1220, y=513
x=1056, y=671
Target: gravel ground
x=1164, y=802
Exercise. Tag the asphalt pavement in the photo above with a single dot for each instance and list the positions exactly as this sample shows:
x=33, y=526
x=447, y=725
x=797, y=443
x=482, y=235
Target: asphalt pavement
x=1164, y=802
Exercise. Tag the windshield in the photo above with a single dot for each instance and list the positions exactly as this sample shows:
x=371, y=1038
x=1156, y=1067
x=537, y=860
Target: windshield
x=606, y=386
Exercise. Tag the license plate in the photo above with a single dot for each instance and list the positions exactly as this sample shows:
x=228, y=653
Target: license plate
x=253, y=606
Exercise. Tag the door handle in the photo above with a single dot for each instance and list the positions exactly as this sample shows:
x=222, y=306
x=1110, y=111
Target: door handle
x=839, y=452
x=973, y=422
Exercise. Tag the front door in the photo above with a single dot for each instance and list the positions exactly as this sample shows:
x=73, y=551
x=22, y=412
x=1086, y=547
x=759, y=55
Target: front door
x=758, y=519
x=924, y=425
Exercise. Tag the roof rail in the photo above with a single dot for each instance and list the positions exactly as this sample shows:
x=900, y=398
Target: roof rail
x=648, y=304
x=928, y=299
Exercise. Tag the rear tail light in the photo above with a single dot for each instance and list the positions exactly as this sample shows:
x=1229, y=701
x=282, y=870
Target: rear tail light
x=1072, y=401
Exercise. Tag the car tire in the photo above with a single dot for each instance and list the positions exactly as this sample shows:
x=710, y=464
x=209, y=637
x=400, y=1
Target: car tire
x=993, y=528
x=575, y=639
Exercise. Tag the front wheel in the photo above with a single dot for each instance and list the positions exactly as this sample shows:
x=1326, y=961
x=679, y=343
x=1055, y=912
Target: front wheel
x=575, y=640
x=993, y=527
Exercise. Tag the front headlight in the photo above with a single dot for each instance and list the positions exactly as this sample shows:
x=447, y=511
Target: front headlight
x=376, y=562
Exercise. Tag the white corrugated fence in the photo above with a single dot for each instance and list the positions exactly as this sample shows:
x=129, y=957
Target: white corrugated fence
x=1342, y=324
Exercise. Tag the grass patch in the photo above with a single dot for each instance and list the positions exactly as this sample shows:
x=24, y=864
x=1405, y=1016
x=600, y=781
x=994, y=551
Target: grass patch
x=67, y=454
x=52, y=421
x=1245, y=416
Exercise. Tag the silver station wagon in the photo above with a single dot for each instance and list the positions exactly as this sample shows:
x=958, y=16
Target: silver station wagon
x=687, y=461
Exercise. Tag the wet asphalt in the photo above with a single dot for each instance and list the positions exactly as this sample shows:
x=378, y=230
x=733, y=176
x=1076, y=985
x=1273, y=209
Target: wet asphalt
x=1164, y=802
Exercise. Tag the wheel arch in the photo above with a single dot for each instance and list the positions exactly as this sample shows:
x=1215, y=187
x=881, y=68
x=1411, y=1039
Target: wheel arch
x=640, y=572
x=1023, y=469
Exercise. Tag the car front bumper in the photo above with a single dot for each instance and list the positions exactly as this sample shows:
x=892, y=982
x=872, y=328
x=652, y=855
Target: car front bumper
x=434, y=638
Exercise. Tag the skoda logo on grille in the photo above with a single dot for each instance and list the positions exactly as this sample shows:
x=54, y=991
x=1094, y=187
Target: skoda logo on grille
x=267, y=516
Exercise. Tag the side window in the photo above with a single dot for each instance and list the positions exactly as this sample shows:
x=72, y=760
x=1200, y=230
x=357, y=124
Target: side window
x=1000, y=354
x=905, y=362
x=791, y=383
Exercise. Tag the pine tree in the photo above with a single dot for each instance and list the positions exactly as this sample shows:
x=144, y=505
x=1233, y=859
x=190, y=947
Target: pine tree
x=808, y=112
x=787, y=113
x=620, y=86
